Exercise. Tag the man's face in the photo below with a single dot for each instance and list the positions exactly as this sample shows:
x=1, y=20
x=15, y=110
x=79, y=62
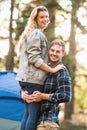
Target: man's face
x=56, y=53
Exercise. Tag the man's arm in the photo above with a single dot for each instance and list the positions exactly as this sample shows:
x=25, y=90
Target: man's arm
x=35, y=97
x=64, y=88
x=62, y=94
x=63, y=91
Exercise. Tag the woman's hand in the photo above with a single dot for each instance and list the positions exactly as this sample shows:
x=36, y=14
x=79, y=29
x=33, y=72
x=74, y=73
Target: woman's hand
x=58, y=67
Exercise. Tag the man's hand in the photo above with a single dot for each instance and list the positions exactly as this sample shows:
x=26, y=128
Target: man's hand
x=35, y=97
x=24, y=95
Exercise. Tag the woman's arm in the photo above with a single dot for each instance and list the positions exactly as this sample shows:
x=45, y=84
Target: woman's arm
x=52, y=70
x=34, y=53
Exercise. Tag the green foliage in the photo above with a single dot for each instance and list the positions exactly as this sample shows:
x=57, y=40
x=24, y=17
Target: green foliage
x=21, y=22
x=69, y=62
x=81, y=88
x=81, y=98
x=20, y=27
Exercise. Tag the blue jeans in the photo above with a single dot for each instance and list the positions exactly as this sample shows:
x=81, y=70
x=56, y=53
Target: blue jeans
x=32, y=110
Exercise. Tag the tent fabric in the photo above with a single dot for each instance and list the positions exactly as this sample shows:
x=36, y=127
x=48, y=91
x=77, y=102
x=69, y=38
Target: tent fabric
x=11, y=105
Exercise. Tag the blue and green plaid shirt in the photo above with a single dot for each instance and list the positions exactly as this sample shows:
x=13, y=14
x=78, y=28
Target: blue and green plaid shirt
x=58, y=85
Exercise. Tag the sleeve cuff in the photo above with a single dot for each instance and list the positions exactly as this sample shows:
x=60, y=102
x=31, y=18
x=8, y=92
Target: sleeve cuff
x=51, y=98
x=38, y=63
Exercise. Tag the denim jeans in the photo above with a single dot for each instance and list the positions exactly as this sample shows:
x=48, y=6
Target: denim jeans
x=32, y=110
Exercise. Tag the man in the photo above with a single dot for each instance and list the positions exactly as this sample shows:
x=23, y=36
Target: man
x=57, y=89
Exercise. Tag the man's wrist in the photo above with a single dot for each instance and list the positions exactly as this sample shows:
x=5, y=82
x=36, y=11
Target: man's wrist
x=45, y=96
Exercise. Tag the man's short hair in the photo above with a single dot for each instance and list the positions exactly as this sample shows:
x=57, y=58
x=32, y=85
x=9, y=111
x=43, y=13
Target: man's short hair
x=58, y=42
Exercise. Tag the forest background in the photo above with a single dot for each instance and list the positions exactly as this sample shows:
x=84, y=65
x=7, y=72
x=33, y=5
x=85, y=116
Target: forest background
x=68, y=21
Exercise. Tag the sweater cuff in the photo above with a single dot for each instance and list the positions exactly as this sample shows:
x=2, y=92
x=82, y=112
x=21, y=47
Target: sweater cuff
x=39, y=63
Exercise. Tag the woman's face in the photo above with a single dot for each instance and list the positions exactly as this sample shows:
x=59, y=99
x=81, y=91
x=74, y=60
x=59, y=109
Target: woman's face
x=42, y=19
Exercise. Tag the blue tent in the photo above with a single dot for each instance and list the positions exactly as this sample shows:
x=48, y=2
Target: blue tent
x=11, y=105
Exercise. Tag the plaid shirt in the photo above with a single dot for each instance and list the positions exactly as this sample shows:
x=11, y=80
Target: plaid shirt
x=58, y=85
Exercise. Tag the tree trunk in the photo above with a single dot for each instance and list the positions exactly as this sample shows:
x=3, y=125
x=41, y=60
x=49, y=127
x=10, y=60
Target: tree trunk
x=10, y=56
x=50, y=31
x=69, y=108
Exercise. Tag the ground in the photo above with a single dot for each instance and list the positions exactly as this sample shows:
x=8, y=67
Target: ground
x=80, y=118
x=78, y=122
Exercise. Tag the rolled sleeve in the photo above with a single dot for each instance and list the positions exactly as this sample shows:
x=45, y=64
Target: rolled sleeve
x=52, y=98
x=39, y=63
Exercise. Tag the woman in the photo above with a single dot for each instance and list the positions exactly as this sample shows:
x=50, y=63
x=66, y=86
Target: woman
x=33, y=62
